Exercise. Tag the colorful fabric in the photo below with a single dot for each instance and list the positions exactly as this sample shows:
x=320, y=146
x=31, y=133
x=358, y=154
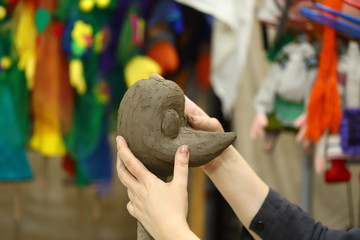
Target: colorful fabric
x=290, y=77
x=52, y=101
x=14, y=101
x=324, y=110
x=350, y=132
x=287, y=112
x=14, y=165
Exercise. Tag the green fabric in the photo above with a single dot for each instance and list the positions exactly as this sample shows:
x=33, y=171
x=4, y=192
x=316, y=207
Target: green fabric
x=118, y=88
x=42, y=19
x=86, y=129
x=275, y=124
x=17, y=84
x=284, y=115
x=64, y=8
x=14, y=165
x=126, y=48
x=80, y=177
x=287, y=112
x=87, y=119
x=15, y=80
x=274, y=50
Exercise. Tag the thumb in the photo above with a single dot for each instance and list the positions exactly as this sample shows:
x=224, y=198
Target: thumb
x=204, y=123
x=181, y=166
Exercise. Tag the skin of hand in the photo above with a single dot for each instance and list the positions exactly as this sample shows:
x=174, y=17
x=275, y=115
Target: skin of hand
x=233, y=177
x=300, y=123
x=160, y=207
x=259, y=124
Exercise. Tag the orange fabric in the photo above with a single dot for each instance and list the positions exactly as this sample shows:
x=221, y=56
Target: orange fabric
x=324, y=110
x=165, y=55
x=52, y=95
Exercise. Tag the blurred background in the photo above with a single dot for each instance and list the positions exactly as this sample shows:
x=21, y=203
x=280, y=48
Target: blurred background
x=255, y=65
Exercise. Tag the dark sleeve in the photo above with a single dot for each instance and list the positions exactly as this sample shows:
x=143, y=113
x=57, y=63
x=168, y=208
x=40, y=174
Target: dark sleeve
x=279, y=219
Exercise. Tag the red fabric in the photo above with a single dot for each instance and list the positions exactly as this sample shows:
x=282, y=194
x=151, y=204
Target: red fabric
x=68, y=165
x=338, y=172
x=58, y=29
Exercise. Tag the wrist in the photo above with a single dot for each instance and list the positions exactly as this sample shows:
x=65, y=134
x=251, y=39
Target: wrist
x=228, y=154
x=178, y=231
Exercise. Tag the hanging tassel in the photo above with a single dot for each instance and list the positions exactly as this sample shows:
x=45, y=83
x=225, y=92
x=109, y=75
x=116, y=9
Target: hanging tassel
x=324, y=111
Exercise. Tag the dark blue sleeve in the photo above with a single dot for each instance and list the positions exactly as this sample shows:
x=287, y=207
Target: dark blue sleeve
x=278, y=219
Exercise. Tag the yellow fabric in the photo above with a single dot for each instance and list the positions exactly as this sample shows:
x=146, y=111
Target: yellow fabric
x=88, y=5
x=140, y=67
x=81, y=34
x=2, y=12
x=77, y=79
x=5, y=62
x=25, y=40
x=103, y=3
x=99, y=42
x=47, y=140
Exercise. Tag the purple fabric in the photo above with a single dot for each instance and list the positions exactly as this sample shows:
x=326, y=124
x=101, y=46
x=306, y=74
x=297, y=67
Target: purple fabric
x=168, y=11
x=350, y=132
x=108, y=59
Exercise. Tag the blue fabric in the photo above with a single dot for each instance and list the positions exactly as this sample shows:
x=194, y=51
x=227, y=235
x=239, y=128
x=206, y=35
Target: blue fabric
x=168, y=11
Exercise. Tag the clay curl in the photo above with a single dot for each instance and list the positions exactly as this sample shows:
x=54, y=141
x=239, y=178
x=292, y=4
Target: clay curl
x=151, y=119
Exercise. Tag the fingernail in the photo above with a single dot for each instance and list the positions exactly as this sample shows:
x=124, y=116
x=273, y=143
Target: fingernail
x=184, y=150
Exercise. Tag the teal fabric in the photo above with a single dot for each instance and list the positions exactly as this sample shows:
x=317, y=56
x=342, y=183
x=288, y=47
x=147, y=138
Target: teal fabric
x=14, y=165
x=287, y=112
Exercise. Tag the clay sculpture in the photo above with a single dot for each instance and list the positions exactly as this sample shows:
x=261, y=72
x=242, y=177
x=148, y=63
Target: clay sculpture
x=151, y=119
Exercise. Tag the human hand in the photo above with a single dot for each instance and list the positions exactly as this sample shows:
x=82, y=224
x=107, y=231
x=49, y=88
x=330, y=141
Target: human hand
x=300, y=123
x=199, y=120
x=160, y=207
x=258, y=125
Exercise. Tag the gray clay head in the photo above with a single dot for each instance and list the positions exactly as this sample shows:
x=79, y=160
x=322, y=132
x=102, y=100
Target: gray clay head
x=151, y=119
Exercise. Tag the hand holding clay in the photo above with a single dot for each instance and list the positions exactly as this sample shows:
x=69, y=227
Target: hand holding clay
x=160, y=207
x=197, y=118
x=151, y=119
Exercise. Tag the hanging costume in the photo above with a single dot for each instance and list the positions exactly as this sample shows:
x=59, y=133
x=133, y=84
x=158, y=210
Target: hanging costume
x=52, y=96
x=85, y=38
x=232, y=25
x=14, y=120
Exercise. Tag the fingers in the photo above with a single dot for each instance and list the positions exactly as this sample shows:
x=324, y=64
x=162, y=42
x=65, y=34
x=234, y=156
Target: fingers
x=181, y=166
x=132, y=164
x=256, y=132
x=131, y=209
x=258, y=127
x=300, y=121
x=192, y=109
x=205, y=123
x=126, y=178
x=300, y=136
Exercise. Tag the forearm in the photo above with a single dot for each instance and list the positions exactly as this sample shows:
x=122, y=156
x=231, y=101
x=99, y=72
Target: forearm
x=238, y=183
x=177, y=232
